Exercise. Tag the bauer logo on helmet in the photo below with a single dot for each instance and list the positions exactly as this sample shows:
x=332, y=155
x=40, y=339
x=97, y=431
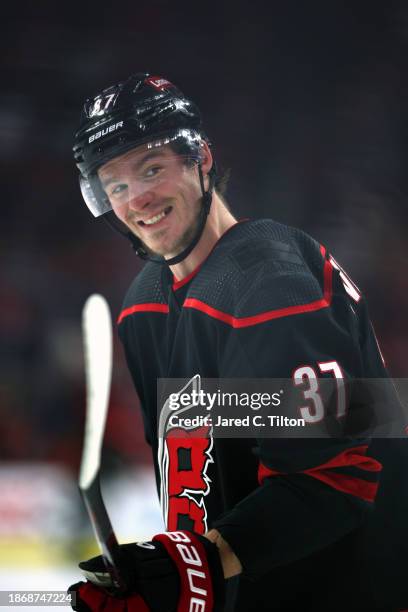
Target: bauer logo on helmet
x=107, y=130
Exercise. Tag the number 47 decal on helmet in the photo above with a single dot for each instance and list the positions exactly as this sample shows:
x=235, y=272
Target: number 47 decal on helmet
x=102, y=104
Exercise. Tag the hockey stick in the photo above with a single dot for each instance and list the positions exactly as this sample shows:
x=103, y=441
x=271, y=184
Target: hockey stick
x=97, y=338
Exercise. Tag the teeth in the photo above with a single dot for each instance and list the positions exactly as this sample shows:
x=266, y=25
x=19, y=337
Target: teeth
x=155, y=219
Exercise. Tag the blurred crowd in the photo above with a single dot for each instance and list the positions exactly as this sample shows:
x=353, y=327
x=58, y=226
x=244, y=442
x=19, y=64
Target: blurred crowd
x=307, y=107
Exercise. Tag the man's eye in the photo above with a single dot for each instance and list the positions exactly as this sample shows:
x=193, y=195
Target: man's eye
x=118, y=189
x=152, y=171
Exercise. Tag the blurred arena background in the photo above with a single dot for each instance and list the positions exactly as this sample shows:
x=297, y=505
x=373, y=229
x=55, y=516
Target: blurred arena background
x=306, y=103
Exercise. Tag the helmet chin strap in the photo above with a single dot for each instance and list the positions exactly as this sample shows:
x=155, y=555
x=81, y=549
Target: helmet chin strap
x=206, y=200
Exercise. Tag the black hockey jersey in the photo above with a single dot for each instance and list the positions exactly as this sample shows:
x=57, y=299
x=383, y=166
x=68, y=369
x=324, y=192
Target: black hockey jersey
x=268, y=302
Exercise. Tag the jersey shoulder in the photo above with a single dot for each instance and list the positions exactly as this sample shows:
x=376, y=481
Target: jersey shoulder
x=261, y=266
x=146, y=287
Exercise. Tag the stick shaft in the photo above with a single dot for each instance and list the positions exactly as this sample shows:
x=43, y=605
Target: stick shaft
x=97, y=337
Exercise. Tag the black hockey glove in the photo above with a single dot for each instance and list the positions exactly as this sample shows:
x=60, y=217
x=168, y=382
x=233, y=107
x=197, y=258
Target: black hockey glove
x=178, y=570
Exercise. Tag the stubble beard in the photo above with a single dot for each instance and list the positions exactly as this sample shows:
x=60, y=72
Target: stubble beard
x=180, y=243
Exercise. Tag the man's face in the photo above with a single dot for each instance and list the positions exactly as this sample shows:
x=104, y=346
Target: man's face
x=156, y=194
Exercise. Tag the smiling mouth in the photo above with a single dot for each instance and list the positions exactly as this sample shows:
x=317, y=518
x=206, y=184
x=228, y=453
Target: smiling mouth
x=156, y=218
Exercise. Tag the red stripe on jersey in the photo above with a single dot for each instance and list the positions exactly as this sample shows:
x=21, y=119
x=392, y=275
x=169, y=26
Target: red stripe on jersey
x=265, y=472
x=352, y=456
x=179, y=283
x=347, y=484
x=150, y=307
x=327, y=275
x=238, y=322
x=328, y=278
x=356, y=457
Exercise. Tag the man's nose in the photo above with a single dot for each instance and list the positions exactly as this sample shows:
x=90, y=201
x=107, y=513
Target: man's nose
x=138, y=201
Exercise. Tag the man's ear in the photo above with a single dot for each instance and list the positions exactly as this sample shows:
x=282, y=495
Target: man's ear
x=206, y=158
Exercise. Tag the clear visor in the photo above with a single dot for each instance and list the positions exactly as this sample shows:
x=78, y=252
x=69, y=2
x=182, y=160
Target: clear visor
x=143, y=172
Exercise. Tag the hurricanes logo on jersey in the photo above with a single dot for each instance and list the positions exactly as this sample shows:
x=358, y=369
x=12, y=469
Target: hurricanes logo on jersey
x=184, y=455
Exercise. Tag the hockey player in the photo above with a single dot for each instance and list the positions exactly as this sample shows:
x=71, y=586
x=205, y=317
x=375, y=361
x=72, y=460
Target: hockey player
x=252, y=523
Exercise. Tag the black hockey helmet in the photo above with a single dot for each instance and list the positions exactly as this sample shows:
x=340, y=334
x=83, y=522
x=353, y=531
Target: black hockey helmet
x=145, y=110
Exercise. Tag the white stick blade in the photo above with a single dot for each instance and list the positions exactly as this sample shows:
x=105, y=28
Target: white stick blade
x=97, y=338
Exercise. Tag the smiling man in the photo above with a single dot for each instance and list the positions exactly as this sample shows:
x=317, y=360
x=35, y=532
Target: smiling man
x=157, y=195
x=252, y=523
